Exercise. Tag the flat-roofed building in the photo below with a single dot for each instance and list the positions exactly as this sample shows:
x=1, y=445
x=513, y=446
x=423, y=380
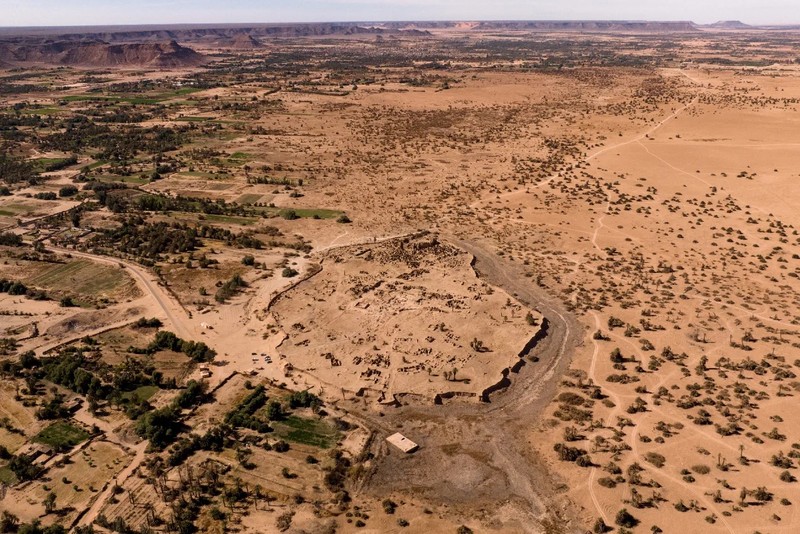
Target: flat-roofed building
x=402, y=443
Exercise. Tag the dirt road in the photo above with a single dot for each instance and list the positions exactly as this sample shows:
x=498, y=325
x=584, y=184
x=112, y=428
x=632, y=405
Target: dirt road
x=150, y=286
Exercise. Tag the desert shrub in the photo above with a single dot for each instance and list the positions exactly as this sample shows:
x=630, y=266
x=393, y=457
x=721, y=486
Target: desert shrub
x=389, y=506
x=600, y=526
x=10, y=239
x=607, y=482
x=568, y=454
x=569, y=397
x=625, y=519
x=613, y=468
x=284, y=521
x=68, y=191
x=656, y=459
x=229, y=288
x=762, y=494
x=148, y=323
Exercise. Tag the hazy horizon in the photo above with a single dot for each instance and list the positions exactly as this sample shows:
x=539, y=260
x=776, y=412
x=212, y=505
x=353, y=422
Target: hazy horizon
x=54, y=13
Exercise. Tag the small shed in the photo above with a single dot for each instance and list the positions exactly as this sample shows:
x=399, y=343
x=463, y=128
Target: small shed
x=402, y=443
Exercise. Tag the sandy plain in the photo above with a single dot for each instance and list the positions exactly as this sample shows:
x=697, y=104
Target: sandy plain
x=646, y=208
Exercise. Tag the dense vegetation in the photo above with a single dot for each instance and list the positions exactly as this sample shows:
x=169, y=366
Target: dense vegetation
x=99, y=382
x=196, y=350
x=147, y=240
x=15, y=170
x=18, y=288
x=122, y=144
x=244, y=413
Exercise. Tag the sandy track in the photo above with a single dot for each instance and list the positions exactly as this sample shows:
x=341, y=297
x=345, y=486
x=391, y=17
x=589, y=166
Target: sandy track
x=171, y=310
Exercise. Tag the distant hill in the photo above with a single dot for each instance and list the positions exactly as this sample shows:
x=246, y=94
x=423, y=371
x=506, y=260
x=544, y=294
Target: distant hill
x=729, y=25
x=99, y=54
x=552, y=25
x=240, y=41
x=592, y=26
x=253, y=36
x=229, y=33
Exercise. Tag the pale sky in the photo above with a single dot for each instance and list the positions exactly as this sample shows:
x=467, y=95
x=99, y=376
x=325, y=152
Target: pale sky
x=99, y=12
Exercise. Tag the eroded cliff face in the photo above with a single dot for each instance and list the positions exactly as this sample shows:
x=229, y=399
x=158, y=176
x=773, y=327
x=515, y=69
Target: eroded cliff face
x=99, y=54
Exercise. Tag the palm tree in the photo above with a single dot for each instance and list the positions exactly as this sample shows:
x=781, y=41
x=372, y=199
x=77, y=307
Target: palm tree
x=257, y=495
x=150, y=513
x=8, y=522
x=49, y=502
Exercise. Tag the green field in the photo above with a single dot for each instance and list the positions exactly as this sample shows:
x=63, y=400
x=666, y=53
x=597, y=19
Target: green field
x=230, y=219
x=61, y=436
x=108, y=98
x=41, y=164
x=81, y=277
x=314, y=432
x=7, y=476
x=124, y=179
x=16, y=208
x=207, y=175
x=192, y=119
x=132, y=99
x=140, y=394
x=273, y=212
x=239, y=158
x=304, y=212
x=93, y=165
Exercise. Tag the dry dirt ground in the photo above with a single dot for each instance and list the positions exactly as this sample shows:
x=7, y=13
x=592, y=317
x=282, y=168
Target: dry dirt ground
x=648, y=207
x=392, y=317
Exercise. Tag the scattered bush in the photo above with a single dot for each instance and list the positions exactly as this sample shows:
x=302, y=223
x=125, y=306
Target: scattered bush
x=68, y=191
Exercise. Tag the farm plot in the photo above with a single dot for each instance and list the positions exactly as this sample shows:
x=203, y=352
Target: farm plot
x=80, y=276
x=75, y=482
